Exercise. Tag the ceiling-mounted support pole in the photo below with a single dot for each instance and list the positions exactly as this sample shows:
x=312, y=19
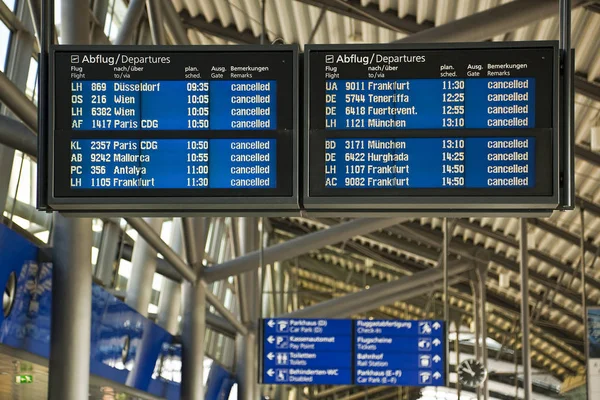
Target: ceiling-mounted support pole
x=70, y=335
x=130, y=22
x=567, y=99
x=583, y=291
x=446, y=239
x=481, y=272
x=524, y=261
x=263, y=21
x=154, y=8
x=476, y=322
x=174, y=24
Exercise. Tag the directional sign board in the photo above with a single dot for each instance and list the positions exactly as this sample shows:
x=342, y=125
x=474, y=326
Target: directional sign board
x=431, y=127
x=152, y=129
x=307, y=351
x=403, y=353
x=343, y=352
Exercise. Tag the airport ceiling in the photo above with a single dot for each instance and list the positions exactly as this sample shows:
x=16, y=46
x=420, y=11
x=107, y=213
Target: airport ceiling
x=396, y=252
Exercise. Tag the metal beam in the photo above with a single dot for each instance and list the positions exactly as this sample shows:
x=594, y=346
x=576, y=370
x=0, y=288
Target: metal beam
x=143, y=266
x=588, y=206
x=220, y=325
x=489, y=23
x=298, y=246
x=371, y=14
x=17, y=102
x=216, y=28
x=466, y=250
x=169, y=302
x=587, y=154
x=376, y=295
x=155, y=241
x=130, y=22
x=154, y=9
x=512, y=242
x=228, y=315
x=107, y=253
x=174, y=24
x=563, y=234
x=587, y=88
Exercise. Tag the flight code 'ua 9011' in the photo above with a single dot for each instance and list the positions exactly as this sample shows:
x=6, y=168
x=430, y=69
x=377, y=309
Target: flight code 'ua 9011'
x=430, y=103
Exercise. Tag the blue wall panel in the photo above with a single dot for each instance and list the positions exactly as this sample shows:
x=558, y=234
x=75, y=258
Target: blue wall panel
x=114, y=324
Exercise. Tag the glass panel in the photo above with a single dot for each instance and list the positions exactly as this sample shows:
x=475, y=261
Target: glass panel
x=31, y=88
x=116, y=12
x=11, y=4
x=4, y=41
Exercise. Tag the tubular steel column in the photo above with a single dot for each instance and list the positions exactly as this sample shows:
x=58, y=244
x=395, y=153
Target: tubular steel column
x=69, y=371
x=476, y=322
x=246, y=345
x=155, y=18
x=71, y=309
x=169, y=302
x=194, y=317
x=143, y=267
x=527, y=388
x=107, y=253
x=130, y=22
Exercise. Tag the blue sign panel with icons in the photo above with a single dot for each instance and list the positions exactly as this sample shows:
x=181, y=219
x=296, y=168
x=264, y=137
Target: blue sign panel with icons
x=362, y=352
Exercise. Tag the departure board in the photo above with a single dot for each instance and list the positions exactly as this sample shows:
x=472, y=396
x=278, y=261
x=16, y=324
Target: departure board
x=182, y=127
x=431, y=126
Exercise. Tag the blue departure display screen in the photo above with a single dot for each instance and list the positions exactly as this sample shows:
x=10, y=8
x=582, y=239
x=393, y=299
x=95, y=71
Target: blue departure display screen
x=455, y=122
x=472, y=162
x=174, y=163
x=174, y=105
x=164, y=124
x=430, y=103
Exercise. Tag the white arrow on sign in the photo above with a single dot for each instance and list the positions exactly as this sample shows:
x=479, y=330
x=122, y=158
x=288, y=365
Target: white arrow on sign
x=271, y=323
x=436, y=342
x=437, y=358
x=270, y=356
x=437, y=375
x=436, y=325
x=270, y=339
x=270, y=372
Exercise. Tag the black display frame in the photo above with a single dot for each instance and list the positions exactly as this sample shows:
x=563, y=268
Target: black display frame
x=429, y=201
x=176, y=202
